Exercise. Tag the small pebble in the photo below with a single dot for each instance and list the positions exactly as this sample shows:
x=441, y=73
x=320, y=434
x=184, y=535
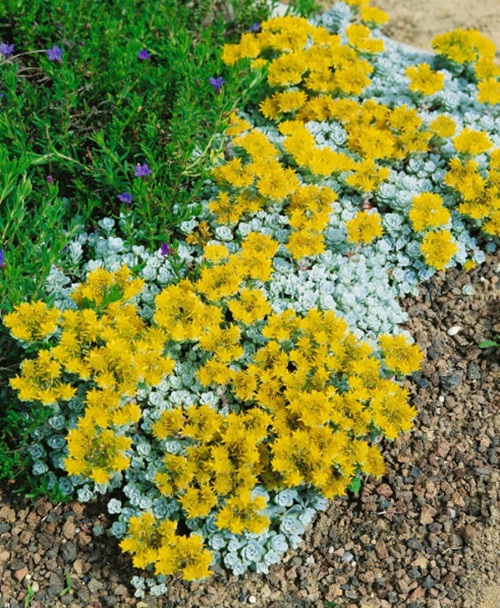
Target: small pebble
x=453, y=331
x=331, y=550
x=252, y=599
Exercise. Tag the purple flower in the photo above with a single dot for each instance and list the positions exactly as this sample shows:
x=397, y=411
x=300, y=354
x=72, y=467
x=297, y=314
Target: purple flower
x=2, y=258
x=6, y=49
x=55, y=53
x=126, y=197
x=216, y=83
x=165, y=248
x=142, y=170
x=50, y=179
x=255, y=27
x=143, y=55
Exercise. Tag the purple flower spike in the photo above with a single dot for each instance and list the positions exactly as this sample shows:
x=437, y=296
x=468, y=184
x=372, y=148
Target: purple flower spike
x=2, y=258
x=217, y=83
x=55, y=54
x=126, y=197
x=6, y=49
x=142, y=170
x=254, y=28
x=50, y=179
x=165, y=249
x=143, y=55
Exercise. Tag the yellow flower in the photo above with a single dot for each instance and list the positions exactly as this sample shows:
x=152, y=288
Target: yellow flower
x=237, y=125
x=390, y=410
x=469, y=265
x=492, y=226
x=198, y=502
x=219, y=282
x=215, y=252
x=438, y=248
x=423, y=79
x=269, y=108
x=399, y=355
x=286, y=70
x=367, y=176
x=250, y=306
x=235, y=173
x=364, y=227
x=371, y=14
x=472, y=142
x=256, y=144
x=488, y=91
x=374, y=463
x=305, y=242
x=359, y=37
x=241, y=513
x=274, y=181
x=32, y=321
x=427, y=211
x=443, y=126
x=463, y=46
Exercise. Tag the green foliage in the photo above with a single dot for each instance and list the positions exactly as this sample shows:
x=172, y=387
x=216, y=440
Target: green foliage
x=88, y=120
x=490, y=343
x=355, y=485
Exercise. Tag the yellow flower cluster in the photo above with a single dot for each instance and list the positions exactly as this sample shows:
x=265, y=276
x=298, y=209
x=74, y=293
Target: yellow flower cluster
x=298, y=426
x=33, y=321
x=155, y=542
x=472, y=48
x=104, y=342
x=364, y=227
x=297, y=53
x=423, y=79
x=479, y=189
x=400, y=356
x=438, y=248
x=427, y=211
x=96, y=452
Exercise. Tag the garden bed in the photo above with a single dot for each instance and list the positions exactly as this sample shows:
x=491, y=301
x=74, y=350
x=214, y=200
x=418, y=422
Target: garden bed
x=259, y=364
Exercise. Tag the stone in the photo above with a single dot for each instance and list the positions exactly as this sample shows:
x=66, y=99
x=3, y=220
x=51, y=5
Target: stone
x=8, y=514
x=381, y=550
x=94, y=585
x=468, y=534
x=69, y=552
x=385, y=490
x=427, y=514
x=120, y=590
x=69, y=529
x=21, y=574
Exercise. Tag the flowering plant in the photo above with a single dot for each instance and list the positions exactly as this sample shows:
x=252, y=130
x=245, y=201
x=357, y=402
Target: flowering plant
x=249, y=371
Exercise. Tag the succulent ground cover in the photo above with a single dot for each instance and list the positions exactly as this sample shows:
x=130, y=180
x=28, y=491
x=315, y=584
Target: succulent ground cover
x=221, y=387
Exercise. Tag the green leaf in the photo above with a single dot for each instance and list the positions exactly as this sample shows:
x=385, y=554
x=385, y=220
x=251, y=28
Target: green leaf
x=488, y=344
x=355, y=485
